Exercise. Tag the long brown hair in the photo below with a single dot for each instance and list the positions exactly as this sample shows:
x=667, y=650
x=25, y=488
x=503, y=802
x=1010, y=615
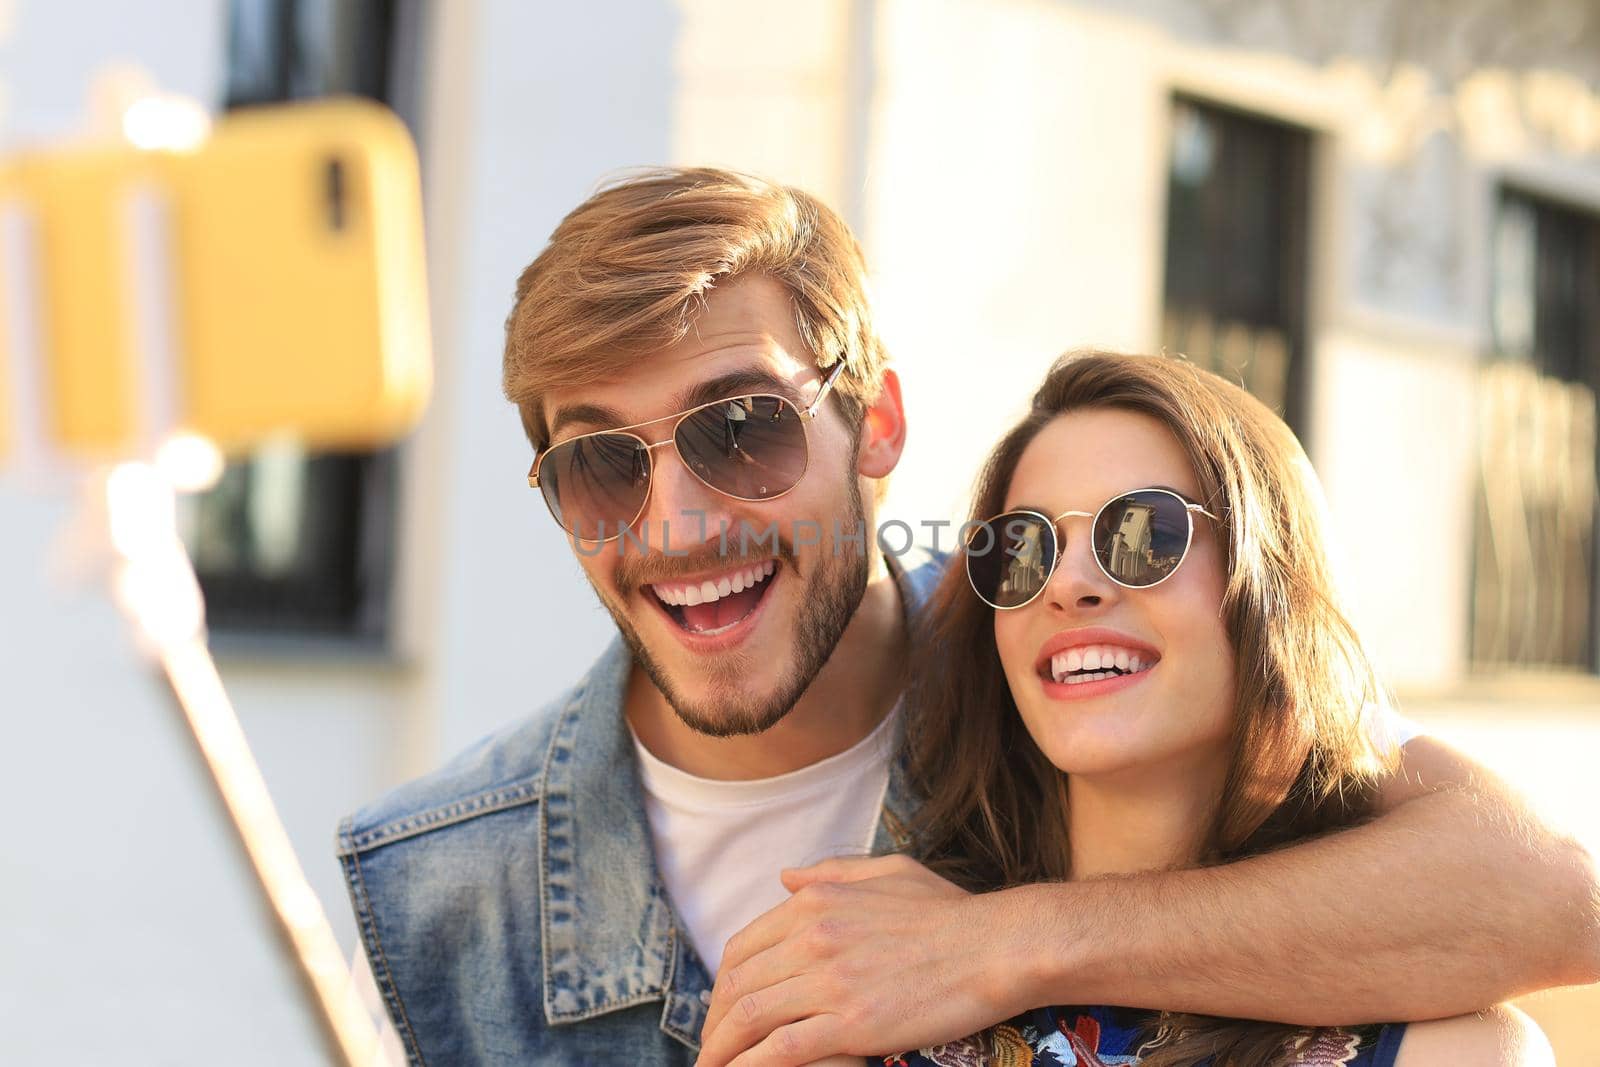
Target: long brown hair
x=1303, y=757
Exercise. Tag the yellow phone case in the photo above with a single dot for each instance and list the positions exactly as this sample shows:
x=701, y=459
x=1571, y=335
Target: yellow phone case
x=277, y=270
x=71, y=266
x=301, y=266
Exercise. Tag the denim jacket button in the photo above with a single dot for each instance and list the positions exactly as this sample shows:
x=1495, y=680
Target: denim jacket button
x=705, y=997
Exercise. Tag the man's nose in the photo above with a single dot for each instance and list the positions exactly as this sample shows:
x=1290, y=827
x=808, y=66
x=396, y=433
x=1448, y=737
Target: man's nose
x=681, y=502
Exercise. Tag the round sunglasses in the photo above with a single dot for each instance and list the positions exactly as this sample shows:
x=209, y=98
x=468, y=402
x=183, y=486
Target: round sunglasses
x=751, y=448
x=1139, y=538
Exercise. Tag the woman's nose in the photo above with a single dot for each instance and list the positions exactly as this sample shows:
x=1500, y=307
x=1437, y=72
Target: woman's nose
x=1078, y=583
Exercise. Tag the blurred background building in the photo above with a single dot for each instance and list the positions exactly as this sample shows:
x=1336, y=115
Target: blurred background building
x=1382, y=216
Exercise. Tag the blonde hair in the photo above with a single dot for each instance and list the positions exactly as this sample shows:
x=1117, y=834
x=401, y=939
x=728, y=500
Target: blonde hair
x=627, y=272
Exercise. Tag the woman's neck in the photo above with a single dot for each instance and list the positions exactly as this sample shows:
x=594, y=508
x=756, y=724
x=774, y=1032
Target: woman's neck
x=1142, y=820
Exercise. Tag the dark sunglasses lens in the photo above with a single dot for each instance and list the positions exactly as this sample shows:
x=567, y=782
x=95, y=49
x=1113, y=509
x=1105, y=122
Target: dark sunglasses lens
x=1010, y=557
x=752, y=447
x=1142, y=537
x=595, y=485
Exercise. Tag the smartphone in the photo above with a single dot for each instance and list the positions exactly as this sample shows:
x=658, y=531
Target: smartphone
x=269, y=282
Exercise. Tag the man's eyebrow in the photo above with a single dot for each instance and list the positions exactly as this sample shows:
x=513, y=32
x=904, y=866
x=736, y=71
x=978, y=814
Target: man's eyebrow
x=734, y=383
x=723, y=386
x=594, y=414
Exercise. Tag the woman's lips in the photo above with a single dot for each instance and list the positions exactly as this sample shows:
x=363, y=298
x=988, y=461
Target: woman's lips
x=1088, y=690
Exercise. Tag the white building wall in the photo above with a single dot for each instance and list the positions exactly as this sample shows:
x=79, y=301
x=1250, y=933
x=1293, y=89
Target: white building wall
x=1012, y=215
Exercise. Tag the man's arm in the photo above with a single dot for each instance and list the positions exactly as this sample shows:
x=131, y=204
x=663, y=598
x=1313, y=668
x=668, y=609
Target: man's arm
x=1454, y=898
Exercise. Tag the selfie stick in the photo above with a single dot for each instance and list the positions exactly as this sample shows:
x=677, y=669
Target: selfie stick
x=153, y=580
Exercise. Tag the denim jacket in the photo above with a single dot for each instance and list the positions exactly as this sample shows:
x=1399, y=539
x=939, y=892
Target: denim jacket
x=510, y=905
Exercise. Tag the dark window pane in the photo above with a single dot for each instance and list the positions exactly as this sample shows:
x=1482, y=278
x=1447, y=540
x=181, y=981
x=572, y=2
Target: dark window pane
x=291, y=543
x=1534, y=589
x=296, y=49
x=1237, y=192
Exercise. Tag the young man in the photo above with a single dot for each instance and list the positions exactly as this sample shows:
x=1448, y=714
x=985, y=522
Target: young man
x=695, y=362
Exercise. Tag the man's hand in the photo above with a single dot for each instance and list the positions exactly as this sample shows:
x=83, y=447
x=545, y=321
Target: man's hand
x=868, y=956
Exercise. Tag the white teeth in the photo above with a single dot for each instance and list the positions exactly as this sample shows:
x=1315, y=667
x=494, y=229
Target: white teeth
x=707, y=591
x=1094, y=662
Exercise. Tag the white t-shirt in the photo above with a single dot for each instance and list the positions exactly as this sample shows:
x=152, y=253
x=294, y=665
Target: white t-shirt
x=721, y=845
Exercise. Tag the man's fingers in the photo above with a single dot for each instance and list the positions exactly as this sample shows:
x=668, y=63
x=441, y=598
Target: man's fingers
x=774, y=926
x=846, y=869
x=781, y=962
x=753, y=1016
x=795, y=1045
x=764, y=931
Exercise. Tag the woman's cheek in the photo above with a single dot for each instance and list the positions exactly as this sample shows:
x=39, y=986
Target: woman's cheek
x=1009, y=637
x=1218, y=684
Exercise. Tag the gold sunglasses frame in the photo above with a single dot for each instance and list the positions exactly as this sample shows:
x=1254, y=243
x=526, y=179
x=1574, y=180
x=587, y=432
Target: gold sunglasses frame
x=1189, y=509
x=808, y=415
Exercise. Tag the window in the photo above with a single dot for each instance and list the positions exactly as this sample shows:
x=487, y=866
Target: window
x=1237, y=195
x=1534, y=562
x=291, y=544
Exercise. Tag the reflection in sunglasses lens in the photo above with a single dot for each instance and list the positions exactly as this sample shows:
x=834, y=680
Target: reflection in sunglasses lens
x=1138, y=538
x=1141, y=538
x=596, y=484
x=751, y=447
x=1010, y=557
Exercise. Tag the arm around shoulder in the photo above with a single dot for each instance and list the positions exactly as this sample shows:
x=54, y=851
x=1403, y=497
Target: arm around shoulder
x=1549, y=882
x=1456, y=896
x=1499, y=1037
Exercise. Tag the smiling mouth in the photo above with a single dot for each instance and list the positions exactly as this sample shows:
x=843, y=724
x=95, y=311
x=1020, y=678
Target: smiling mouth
x=717, y=603
x=1095, y=663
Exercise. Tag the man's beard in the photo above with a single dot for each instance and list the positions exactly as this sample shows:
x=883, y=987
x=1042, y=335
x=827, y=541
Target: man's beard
x=826, y=605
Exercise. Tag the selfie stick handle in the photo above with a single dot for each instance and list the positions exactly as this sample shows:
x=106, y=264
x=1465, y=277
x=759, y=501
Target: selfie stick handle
x=155, y=584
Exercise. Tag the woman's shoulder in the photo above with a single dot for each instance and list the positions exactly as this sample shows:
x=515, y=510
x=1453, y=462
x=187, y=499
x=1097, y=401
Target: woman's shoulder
x=1499, y=1037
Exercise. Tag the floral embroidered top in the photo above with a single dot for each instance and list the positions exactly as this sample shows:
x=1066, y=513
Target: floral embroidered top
x=1110, y=1037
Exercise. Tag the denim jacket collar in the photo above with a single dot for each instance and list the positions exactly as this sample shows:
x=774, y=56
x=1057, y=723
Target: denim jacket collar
x=610, y=938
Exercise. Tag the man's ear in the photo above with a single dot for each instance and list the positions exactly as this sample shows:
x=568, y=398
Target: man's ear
x=883, y=431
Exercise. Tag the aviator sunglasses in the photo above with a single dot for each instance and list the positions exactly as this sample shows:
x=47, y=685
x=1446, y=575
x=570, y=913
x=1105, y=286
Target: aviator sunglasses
x=1139, y=538
x=752, y=448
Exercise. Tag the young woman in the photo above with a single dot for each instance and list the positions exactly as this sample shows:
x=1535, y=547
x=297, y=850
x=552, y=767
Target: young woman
x=1140, y=663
